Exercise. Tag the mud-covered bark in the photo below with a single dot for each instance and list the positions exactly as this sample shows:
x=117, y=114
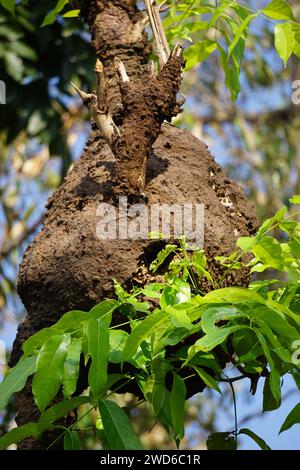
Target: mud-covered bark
x=67, y=267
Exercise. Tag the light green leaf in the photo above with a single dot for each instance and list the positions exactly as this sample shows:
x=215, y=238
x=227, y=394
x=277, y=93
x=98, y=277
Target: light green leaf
x=208, y=379
x=72, y=14
x=179, y=318
x=284, y=41
x=71, y=367
x=51, y=17
x=49, y=370
x=199, y=52
x=117, y=427
x=23, y=50
x=213, y=315
x=34, y=342
x=295, y=199
x=269, y=252
x=178, y=396
x=141, y=332
x=245, y=243
x=279, y=10
x=16, y=379
x=259, y=441
x=117, y=341
x=71, y=321
x=104, y=310
x=162, y=256
x=14, y=65
x=210, y=341
x=98, y=346
x=292, y=418
x=241, y=32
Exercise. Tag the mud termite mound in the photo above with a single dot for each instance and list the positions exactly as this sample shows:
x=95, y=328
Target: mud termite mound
x=67, y=267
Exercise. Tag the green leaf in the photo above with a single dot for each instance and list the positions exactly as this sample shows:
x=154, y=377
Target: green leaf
x=284, y=41
x=104, y=310
x=18, y=434
x=34, y=342
x=61, y=409
x=221, y=441
x=141, y=332
x=199, y=52
x=51, y=17
x=179, y=318
x=98, y=346
x=269, y=402
x=72, y=14
x=279, y=10
x=245, y=243
x=23, y=50
x=71, y=367
x=9, y=5
x=259, y=441
x=71, y=440
x=210, y=341
x=16, y=379
x=162, y=256
x=117, y=341
x=241, y=32
x=14, y=66
x=71, y=321
x=269, y=252
x=213, y=315
x=292, y=418
x=295, y=199
x=117, y=427
x=232, y=73
x=49, y=370
x=274, y=375
x=178, y=396
x=153, y=290
x=208, y=379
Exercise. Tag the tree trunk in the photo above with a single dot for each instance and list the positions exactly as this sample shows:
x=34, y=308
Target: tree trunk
x=67, y=267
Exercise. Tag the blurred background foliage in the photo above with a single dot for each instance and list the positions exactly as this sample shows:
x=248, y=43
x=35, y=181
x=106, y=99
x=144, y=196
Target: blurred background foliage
x=43, y=128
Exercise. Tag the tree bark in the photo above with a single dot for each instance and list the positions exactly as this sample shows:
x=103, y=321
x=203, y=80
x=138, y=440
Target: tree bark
x=67, y=267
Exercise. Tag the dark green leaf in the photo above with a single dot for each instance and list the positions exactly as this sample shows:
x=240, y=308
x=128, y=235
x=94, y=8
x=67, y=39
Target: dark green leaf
x=259, y=441
x=49, y=370
x=292, y=418
x=117, y=427
x=178, y=396
x=98, y=345
x=9, y=5
x=208, y=379
x=71, y=440
x=221, y=441
x=269, y=402
x=61, y=409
